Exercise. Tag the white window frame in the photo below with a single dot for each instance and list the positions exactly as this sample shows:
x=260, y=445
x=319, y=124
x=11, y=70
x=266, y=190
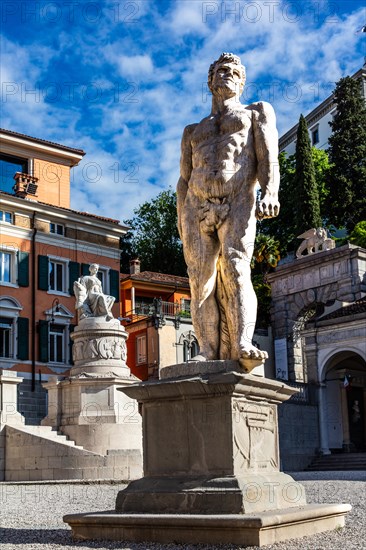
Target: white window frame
x=185, y=305
x=10, y=308
x=190, y=346
x=3, y=215
x=57, y=225
x=104, y=270
x=13, y=266
x=312, y=130
x=63, y=343
x=65, y=275
x=141, y=346
x=61, y=318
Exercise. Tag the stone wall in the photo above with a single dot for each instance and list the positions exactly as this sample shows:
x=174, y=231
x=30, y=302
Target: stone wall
x=300, y=287
x=32, y=457
x=298, y=434
x=32, y=404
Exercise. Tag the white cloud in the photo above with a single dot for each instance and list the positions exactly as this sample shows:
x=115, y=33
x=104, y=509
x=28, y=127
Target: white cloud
x=132, y=140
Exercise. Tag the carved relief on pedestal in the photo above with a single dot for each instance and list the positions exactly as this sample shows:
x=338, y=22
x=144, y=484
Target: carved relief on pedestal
x=255, y=435
x=107, y=347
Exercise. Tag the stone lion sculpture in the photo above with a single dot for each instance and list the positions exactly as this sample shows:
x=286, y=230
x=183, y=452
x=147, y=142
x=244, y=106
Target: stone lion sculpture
x=315, y=239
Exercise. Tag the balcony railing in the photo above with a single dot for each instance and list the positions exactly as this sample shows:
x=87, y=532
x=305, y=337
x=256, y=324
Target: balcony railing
x=160, y=309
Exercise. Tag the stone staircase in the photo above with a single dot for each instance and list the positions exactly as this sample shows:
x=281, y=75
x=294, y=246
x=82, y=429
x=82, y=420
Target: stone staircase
x=49, y=433
x=338, y=461
x=39, y=453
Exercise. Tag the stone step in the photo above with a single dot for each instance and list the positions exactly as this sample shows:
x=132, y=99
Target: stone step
x=49, y=433
x=339, y=461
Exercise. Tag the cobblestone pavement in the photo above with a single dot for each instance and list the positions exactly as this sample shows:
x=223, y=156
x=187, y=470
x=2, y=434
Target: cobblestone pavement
x=31, y=514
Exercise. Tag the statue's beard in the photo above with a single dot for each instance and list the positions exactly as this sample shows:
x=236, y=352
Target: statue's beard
x=227, y=91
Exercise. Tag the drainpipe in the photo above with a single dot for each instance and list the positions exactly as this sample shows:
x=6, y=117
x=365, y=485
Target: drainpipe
x=133, y=299
x=33, y=320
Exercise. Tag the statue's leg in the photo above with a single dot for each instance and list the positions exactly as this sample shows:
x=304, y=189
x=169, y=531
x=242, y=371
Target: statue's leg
x=201, y=253
x=241, y=300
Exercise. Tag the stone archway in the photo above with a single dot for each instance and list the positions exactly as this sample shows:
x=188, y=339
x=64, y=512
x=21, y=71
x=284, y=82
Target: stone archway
x=318, y=280
x=344, y=402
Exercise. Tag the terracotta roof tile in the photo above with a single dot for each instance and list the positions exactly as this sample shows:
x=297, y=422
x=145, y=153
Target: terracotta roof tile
x=87, y=214
x=154, y=277
x=43, y=141
x=359, y=306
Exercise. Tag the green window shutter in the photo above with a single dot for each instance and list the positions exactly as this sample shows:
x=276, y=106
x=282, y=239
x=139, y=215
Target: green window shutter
x=43, y=341
x=43, y=271
x=85, y=269
x=23, y=338
x=74, y=274
x=114, y=283
x=23, y=268
x=71, y=343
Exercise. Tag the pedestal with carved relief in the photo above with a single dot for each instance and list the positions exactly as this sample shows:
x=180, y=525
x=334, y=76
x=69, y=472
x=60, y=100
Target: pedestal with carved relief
x=211, y=465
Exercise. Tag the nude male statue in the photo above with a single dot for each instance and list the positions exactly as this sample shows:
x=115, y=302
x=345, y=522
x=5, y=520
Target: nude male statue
x=223, y=158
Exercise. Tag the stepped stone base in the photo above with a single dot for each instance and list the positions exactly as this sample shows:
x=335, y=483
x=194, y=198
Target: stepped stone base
x=211, y=466
x=244, y=530
x=36, y=453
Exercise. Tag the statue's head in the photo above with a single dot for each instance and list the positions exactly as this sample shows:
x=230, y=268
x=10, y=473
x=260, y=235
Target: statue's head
x=230, y=63
x=94, y=268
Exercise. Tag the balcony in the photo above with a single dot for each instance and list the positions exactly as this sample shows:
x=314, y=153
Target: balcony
x=159, y=310
x=25, y=184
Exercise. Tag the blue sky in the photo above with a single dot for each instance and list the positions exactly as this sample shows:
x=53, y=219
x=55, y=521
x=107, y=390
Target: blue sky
x=121, y=79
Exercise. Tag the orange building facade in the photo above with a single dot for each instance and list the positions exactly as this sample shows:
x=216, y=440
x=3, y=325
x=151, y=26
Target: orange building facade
x=155, y=309
x=44, y=247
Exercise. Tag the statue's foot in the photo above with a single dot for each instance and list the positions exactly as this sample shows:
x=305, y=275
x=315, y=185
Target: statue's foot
x=198, y=357
x=251, y=357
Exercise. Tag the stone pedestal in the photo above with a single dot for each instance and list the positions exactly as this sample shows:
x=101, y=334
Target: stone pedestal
x=9, y=414
x=86, y=406
x=9, y=398
x=99, y=348
x=211, y=465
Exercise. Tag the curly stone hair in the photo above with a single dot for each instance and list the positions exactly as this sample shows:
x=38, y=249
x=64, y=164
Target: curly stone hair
x=230, y=58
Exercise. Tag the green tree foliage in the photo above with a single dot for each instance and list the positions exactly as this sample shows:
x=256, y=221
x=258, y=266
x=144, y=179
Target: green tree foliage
x=284, y=227
x=266, y=256
x=347, y=155
x=307, y=210
x=321, y=168
x=154, y=238
x=358, y=235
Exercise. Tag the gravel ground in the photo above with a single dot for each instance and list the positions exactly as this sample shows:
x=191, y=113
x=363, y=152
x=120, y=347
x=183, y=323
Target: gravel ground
x=31, y=514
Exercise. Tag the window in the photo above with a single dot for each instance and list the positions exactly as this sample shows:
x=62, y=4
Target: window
x=14, y=330
x=57, y=344
x=190, y=345
x=6, y=268
x=6, y=217
x=104, y=279
x=185, y=307
x=57, y=276
x=190, y=349
x=315, y=136
x=9, y=165
x=6, y=337
x=57, y=228
x=141, y=349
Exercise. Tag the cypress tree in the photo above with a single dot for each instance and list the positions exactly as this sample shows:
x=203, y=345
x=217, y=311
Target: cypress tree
x=307, y=208
x=347, y=155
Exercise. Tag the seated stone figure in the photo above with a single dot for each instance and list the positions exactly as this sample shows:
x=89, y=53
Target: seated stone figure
x=90, y=299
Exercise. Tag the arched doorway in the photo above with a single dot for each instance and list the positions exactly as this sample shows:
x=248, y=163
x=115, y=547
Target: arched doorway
x=344, y=379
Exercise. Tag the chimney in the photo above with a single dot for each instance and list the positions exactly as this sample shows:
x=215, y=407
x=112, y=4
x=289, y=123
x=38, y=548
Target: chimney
x=134, y=266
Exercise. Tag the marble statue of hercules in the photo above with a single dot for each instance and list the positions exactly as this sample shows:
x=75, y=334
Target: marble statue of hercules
x=223, y=159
